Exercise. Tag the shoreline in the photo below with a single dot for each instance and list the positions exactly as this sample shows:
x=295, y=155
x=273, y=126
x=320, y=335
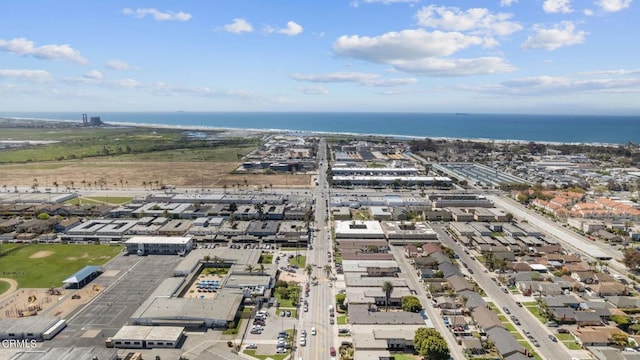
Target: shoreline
x=314, y=133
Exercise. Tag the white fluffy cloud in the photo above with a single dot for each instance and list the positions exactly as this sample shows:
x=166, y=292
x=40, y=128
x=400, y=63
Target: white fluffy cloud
x=403, y=45
x=557, y=6
x=364, y=79
x=292, y=29
x=157, y=15
x=94, y=75
x=116, y=64
x=613, y=5
x=475, y=20
x=22, y=46
x=456, y=67
x=507, y=2
x=560, y=35
x=238, y=26
x=30, y=75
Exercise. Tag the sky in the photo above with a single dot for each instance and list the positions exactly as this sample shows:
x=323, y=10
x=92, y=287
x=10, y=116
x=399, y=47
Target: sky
x=484, y=56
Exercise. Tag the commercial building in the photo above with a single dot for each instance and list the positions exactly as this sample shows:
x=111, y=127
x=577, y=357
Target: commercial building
x=148, y=337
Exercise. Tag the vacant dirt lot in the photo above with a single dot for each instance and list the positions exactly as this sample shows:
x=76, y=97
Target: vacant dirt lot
x=80, y=174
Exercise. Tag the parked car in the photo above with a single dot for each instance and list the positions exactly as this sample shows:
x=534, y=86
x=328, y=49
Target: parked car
x=563, y=331
x=252, y=346
x=331, y=321
x=332, y=351
x=506, y=310
x=313, y=331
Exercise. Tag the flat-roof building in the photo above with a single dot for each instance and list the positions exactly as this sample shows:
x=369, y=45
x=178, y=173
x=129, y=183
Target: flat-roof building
x=148, y=337
x=159, y=245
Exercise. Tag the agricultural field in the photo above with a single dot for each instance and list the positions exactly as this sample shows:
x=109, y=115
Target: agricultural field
x=47, y=265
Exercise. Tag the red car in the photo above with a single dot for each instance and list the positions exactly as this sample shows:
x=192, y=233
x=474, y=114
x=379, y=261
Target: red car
x=332, y=351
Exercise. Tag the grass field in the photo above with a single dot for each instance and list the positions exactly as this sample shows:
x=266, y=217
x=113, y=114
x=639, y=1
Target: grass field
x=4, y=286
x=113, y=200
x=46, y=265
x=252, y=353
x=300, y=261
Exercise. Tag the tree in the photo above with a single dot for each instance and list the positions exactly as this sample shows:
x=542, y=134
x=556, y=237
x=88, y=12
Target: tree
x=411, y=304
x=327, y=271
x=387, y=288
x=430, y=344
x=308, y=269
x=340, y=298
x=250, y=268
x=43, y=216
x=631, y=259
x=619, y=338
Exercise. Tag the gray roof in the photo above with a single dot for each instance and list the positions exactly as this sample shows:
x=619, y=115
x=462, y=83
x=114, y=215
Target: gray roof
x=223, y=307
x=504, y=342
x=360, y=315
x=474, y=300
x=82, y=274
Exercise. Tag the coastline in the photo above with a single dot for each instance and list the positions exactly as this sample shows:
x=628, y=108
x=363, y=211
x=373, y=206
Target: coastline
x=239, y=131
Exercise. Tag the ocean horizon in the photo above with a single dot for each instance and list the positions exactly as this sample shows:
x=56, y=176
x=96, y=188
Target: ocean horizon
x=596, y=129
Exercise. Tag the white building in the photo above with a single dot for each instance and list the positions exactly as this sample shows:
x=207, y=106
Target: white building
x=159, y=245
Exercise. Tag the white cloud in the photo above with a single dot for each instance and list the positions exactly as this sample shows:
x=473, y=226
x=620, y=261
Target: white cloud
x=456, y=67
x=557, y=6
x=116, y=64
x=292, y=29
x=22, y=46
x=313, y=90
x=30, y=75
x=158, y=15
x=588, y=12
x=364, y=79
x=94, y=75
x=123, y=84
x=475, y=20
x=613, y=5
x=403, y=45
x=619, y=72
x=507, y=2
x=562, y=34
x=238, y=26
x=544, y=85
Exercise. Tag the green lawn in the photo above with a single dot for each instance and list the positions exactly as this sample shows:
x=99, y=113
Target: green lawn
x=527, y=345
x=300, y=261
x=565, y=337
x=341, y=320
x=264, y=357
x=266, y=259
x=510, y=327
x=233, y=330
x=4, y=286
x=215, y=271
x=536, y=312
x=572, y=345
x=62, y=261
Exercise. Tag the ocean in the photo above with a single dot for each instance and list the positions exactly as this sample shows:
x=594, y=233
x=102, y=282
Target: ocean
x=500, y=127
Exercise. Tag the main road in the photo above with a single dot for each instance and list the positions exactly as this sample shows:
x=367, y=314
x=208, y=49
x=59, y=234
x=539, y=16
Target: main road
x=321, y=296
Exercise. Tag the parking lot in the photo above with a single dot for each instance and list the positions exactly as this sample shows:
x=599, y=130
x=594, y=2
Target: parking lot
x=267, y=339
x=127, y=281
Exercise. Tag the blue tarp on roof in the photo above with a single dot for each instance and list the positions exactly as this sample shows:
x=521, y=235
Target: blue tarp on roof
x=82, y=274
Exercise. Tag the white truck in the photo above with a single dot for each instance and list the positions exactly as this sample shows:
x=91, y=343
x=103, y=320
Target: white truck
x=331, y=313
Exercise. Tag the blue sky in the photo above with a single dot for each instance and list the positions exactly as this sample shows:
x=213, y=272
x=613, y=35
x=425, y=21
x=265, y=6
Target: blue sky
x=491, y=56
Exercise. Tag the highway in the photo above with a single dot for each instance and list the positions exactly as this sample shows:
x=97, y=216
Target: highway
x=569, y=239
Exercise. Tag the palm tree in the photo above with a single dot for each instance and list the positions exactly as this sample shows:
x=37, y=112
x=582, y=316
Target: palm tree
x=327, y=270
x=250, y=268
x=387, y=287
x=308, y=270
